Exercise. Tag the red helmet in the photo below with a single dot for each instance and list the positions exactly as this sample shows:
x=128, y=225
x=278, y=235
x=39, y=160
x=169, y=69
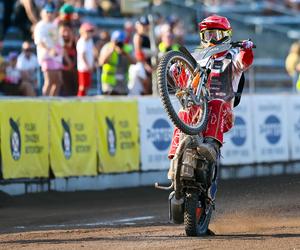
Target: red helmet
x=215, y=22
x=215, y=29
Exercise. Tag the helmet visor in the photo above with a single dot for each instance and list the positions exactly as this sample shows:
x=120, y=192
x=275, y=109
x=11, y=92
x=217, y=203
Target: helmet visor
x=214, y=35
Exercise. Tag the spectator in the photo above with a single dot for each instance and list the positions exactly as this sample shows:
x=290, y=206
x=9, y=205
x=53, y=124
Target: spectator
x=2, y=72
x=167, y=43
x=138, y=80
x=91, y=5
x=110, y=8
x=27, y=15
x=142, y=47
x=66, y=13
x=115, y=58
x=129, y=30
x=49, y=51
x=177, y=28
x=159, y=21
x=85, y=58
x=28, y=65
x=69, y=72
x=13, y=83
x=292, y=64
x=101, y=40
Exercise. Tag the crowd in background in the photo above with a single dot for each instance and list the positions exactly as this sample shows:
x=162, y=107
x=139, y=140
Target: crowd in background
x=61, y=53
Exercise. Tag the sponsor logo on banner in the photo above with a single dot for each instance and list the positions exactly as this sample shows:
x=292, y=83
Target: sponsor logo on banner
x=272, y=129
x=239, y=132
x=160, y=134
x=15, y=139
x=66, y=139
x=111, y=136
x=24, y=139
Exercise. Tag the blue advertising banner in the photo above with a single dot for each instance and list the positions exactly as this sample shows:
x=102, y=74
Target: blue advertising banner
x=238, y=142
x=155, y=134
x=270, y=128
x=294, y=126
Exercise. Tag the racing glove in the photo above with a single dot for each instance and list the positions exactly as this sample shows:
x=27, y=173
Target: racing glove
x=247, y=44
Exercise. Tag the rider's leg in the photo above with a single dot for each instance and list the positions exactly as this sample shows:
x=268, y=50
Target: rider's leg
x=220, y=121
x=187, y=117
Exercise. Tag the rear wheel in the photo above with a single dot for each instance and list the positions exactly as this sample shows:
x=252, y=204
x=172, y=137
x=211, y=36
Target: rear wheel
x=196, y=216
x=175, y=78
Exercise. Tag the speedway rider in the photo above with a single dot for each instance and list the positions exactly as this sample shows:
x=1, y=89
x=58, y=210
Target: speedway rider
x=223, y=82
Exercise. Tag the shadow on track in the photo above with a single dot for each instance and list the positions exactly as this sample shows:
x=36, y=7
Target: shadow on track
x=137, y=238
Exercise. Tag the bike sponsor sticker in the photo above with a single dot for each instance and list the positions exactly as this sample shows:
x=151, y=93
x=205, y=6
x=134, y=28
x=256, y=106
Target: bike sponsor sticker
x=155, y=135
x=270, y=123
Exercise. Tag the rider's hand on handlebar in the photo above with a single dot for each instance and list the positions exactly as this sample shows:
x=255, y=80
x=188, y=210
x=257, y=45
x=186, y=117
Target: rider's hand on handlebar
x=246, y=44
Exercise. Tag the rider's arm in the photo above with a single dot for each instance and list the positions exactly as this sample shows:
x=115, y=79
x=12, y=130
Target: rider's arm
x=244, y=59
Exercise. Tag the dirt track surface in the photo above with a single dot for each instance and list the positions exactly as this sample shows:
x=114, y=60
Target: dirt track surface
x=261, y=213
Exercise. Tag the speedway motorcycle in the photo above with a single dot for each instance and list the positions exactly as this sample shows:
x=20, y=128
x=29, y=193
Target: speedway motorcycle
x=182, y=84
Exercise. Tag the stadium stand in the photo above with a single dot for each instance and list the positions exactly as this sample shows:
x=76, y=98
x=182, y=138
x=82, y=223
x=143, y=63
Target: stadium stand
x=271, y=24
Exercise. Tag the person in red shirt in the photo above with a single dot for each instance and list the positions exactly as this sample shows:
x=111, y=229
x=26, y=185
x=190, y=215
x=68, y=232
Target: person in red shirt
x=223, y=83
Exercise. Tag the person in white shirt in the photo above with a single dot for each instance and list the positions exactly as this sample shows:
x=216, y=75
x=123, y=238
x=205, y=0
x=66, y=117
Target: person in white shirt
x=14, y=84
x=49, y=50
x=85, y=58
x=27, y=64
x=138, y=80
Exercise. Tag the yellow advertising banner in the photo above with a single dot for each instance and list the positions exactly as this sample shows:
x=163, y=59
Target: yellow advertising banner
x=118, y=135
x=24, y=138
x=73, y=150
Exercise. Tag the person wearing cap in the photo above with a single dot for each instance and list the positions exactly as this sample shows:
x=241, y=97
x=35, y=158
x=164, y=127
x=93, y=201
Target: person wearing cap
x=49, y=50
x=66, y=12
x=27, y=64
x=115, y=58
x=142, y=47
x=85, y=58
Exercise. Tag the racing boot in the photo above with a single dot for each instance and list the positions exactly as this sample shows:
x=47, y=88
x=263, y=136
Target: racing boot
x=209, y=149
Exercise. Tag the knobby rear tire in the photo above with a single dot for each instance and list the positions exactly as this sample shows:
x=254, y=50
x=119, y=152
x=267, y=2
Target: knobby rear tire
x=162, y=72
x=192, y=226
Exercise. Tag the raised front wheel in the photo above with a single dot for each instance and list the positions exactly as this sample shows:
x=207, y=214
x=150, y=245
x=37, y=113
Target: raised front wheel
x=177, y=88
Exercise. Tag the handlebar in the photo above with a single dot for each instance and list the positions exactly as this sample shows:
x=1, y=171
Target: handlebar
x=239, y=44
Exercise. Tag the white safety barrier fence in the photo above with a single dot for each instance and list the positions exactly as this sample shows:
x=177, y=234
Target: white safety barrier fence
x=155, y=134
x=238, y=142
x=264, y=141
x=266, y=130
x=293, y=126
